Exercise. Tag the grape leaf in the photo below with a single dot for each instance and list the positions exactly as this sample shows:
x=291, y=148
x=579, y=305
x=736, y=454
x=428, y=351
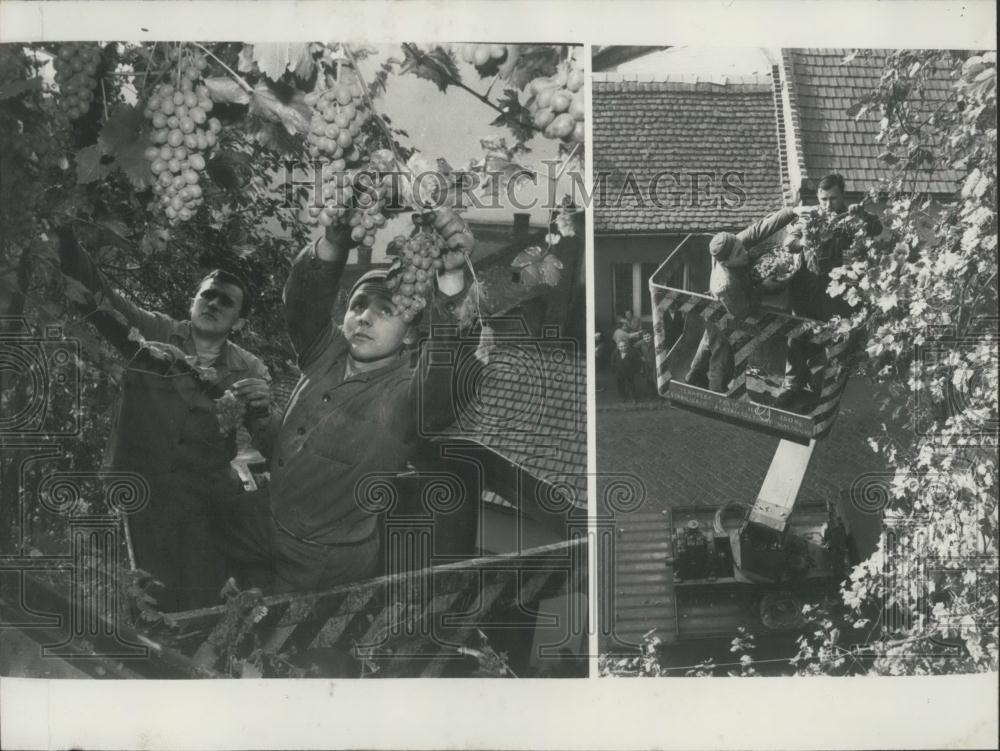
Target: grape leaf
x=273, y=59
x=18, y=87
x=116, y=227
x=551, y=269
x=122, y=127
x=92, y=164
x=437, y=65
x=510, y=62
x=224, y=169
x=536, y=266
x=272, y=136
x=534, y=61
x=294, y=115
x=515, y=117
x=245, y=63
x=223, y=90
x=857, y=110
x=122, y=138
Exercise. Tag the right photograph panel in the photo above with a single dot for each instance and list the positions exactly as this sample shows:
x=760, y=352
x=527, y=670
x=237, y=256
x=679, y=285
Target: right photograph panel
x=795, y=261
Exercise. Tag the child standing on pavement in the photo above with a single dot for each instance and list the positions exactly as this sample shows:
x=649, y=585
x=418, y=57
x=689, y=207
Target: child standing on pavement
x=647, y=353
x=626, y=363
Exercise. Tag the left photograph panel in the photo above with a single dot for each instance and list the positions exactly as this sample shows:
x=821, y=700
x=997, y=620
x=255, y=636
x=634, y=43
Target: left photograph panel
x=292, y=360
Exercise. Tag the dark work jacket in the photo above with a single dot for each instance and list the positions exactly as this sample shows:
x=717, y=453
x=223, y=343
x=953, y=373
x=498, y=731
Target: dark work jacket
x=807, y=289
x=732, y=285
x=337, y=431
x=627, y=366
x=165, y=420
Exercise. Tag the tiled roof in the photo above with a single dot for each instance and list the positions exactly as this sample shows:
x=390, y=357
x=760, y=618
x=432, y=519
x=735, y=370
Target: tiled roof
x=822, y=88
x=531, y=408
x=647, y=128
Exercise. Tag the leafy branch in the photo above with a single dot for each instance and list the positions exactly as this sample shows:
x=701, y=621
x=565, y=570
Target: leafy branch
x=426, y=60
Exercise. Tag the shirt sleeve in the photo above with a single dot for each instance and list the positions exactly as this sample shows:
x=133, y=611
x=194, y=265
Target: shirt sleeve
x=446, y=362
x=760, y=231
x=308, y=299
x=77, y=264
x=259, y=370
x=736, y=301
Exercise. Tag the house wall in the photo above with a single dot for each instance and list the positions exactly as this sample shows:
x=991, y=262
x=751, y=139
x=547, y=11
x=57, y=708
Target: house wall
x=615, y=249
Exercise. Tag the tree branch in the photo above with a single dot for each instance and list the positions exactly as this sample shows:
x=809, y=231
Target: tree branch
x=371, y=106
x=485, y=100
x=236, y=76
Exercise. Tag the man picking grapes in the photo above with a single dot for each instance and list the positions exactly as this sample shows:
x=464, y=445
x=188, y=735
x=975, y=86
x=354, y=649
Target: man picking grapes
x=730, y=282
x=807, y=290
x=353, y=412
x=167, y=428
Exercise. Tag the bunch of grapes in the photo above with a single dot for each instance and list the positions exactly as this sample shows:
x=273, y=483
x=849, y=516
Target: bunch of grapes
x=412, y=277
x=338, y=114
x=557, y=104
x=367, y=218
x=229, y=411
x=776, y=266
x=76, y=66
x=483, y=55
x=183, y=133
x=337, y=196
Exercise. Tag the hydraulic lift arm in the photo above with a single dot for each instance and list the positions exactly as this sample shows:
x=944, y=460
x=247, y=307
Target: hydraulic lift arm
x=762, y=548
x=776, y=498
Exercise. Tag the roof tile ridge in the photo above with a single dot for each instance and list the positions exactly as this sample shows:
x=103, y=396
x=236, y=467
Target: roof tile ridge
x=685, y=79
x=787, y=72
x=787, y=195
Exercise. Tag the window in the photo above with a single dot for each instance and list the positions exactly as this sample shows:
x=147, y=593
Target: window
x=631, y=287
x=622, y=298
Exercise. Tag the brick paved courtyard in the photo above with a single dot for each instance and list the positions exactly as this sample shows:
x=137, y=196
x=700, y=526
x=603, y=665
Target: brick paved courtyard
x=685, y=459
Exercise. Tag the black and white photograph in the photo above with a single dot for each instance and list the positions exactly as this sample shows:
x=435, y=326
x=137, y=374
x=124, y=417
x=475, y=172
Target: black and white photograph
x=293, y=381
x=796, y=305
x=625, y=372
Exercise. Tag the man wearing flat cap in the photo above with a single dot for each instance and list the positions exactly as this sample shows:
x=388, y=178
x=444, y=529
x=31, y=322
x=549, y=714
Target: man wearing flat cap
x=732, y=257
x=353, y=412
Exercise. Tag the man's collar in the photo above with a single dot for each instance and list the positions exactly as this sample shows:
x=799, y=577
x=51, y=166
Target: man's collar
x=400, y=361
x=228, y=353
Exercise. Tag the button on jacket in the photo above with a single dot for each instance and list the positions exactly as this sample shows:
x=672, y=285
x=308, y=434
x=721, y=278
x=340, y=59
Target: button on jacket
x=337, y=430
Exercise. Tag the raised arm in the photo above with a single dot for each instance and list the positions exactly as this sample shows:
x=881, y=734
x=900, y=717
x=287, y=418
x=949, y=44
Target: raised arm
x=311, y=289
x=433, y=385
x=763, y=229
x=77, y=264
